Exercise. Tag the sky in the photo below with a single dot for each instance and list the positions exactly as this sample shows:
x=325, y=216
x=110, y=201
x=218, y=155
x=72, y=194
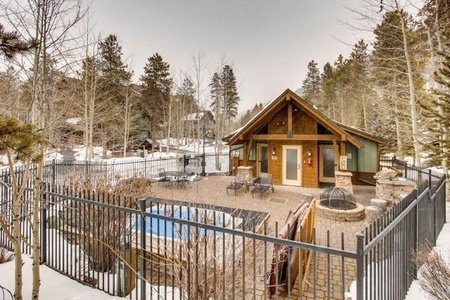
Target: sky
x=269, y=43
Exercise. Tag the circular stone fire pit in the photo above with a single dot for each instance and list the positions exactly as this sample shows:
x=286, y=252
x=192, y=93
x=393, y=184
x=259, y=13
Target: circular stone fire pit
x=339, y=205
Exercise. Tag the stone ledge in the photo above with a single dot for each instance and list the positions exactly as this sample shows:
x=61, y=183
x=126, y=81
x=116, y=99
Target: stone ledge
x=351, y=215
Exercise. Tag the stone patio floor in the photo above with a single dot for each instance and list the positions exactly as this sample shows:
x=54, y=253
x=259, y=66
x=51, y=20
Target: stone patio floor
x=212, y=190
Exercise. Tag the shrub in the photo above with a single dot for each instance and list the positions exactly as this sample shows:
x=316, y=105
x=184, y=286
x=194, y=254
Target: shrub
x=5, y=255
x=434, y=273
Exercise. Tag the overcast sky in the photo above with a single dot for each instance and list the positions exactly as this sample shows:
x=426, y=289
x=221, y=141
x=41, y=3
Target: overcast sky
x=268, y=42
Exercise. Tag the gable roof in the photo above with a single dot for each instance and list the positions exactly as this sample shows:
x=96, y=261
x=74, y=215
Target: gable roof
x=198, y=116
x=361, y=133
x=277, y=104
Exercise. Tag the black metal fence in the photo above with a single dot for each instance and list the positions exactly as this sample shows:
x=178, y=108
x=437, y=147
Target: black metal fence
x=150, y=248
x=417, y=174
x=60, y=172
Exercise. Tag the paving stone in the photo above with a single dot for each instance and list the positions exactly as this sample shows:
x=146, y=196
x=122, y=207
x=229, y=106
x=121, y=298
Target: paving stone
x=212, y=190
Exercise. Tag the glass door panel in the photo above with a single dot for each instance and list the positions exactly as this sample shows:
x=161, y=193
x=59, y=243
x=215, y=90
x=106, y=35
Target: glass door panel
x=326, y=163
x=291, y=164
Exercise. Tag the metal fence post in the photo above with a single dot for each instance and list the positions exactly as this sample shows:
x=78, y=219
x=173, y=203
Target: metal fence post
x=143, y=246
x=43, y=227
x=53, y=172
x=359, y=266
x=429, y=178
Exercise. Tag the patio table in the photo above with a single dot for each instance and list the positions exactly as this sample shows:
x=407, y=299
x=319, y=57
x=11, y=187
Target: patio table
x=177, y=178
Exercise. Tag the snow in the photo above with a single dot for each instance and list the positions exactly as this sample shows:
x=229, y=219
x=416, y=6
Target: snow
x=53, y=284
x=74, y=121
x=415, y=292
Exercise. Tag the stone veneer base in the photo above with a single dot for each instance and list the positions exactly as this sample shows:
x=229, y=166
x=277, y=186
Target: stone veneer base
x=351, y=215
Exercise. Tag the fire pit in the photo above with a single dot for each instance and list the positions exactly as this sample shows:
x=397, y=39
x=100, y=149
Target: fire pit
x=340, y=205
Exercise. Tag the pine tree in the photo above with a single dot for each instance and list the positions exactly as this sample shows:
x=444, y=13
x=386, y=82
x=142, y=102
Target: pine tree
x=342, y=78
x=328, y=92
x=113, y=79
x=186, y=105
x=395, y=74
x=11, y=44
x=216, y=94
x=438, y=111
x=156, y=84
x=360, y=86
x=230, y=94
x=311, y=85
x=436, y=24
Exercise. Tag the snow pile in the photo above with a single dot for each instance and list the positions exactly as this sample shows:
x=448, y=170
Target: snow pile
x=415, y=292
x=80, y=152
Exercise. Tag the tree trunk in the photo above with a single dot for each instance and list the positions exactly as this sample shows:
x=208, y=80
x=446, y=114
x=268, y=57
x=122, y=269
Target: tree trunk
x=36, y=229
x=16, y=231
x=412, y=94
x=397, y=129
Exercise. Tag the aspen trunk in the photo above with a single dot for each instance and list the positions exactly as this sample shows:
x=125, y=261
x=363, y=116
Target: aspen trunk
x=16, y=232
x=412, y=94
x=36, y=229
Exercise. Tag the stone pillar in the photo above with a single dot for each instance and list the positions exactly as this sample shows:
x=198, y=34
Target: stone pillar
x=344, y=180
x=246, y=171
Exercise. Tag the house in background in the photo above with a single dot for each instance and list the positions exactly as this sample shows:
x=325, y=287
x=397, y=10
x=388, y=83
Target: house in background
x=198, y=119
x=148, y=145
x=302, y=147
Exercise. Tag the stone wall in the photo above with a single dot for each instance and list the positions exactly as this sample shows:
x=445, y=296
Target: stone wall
x=393, y=190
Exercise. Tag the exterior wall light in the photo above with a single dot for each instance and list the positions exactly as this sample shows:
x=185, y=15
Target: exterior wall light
x=274, y=151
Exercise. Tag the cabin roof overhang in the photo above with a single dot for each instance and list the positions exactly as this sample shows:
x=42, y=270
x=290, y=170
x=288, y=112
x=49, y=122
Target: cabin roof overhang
x=264, y=116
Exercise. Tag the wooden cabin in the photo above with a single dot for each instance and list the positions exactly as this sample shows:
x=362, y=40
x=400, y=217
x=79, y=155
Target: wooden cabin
x=198, y=120
x=302, y=147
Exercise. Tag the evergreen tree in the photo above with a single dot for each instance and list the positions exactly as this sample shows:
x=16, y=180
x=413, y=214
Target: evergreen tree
x=328, y=92
x=216, y=94
x=395, y=74
x=113, y=79
x=11, y=44
x=342, y=79
x=436, y=24
x=230, y=94
x=249, y=114
x=186, y=105
x=438, y=111
x=360, y=86
x=113, y=71
x=156, y=85
x=311, y=85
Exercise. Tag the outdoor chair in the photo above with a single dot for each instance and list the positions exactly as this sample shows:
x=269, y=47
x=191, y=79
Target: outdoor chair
x=162, y=178
x=262, y=184
x=238, y=183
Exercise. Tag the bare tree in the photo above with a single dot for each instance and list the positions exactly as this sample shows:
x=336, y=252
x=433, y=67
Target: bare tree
x=22, y=142
x=199, y=65
x=48, y=23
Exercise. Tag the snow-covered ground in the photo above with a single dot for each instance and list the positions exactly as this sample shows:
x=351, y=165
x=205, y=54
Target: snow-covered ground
x=53, y=284
x=442, y=246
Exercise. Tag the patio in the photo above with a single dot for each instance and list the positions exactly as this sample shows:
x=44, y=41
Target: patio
x=212, y=190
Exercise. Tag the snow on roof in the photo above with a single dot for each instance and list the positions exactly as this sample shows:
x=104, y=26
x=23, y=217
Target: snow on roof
x=194, y=116
x=74, y=121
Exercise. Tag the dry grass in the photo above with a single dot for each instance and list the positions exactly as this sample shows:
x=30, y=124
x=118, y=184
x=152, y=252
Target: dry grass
x=434, y=271
x=5, y=255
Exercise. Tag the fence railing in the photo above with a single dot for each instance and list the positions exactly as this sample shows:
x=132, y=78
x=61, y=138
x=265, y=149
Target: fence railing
x=153, y=247
x=411, y=172
x=112, y=171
